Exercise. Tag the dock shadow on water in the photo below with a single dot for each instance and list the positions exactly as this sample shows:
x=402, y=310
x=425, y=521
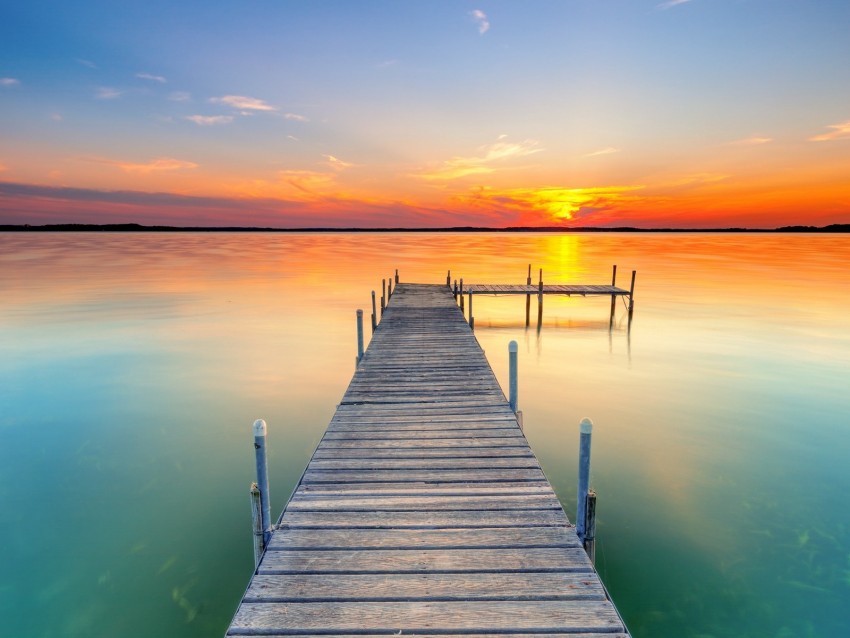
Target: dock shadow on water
x=133, y=370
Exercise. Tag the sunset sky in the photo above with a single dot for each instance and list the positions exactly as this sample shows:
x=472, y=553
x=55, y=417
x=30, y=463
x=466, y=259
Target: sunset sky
x=685, y=113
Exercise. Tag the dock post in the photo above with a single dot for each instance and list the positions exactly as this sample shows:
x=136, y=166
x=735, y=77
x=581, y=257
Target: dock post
x=374, y=314
x=260, y=430
x=471, y=318
x=528, y=299
x=461, y=294
x=613, y=299
x=585, y=430
x=512, y=375
x=540, y=301
x=590, y=526
x=449, y=279
x=390, y=289
x=396, y=276
x=359, y=335
x=383, y=295
x=632, y=297
x=455, y=290
x=257, y=523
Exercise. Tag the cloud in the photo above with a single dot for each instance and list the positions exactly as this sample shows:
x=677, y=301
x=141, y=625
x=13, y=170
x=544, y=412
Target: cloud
x=9, y=81
x=481, y=20
x=180, y=96
x=157, y=165
x=152, y=78
x=840, y=131
x=753, y=140
x=293, y=138
x=307, y=181
x=386, y=64
x=485, y=162
x=670, y=4
x=87, y=63
x=336, y=163
x=295, y=117
x=557, y=204
x=210, y=120
x=243, y=103
x=56, y=117
x=605, y=151
x=107, y=93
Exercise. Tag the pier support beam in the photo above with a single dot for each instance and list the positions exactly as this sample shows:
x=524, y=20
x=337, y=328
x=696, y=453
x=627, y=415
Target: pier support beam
x=613, y=299
x=528, y=299
x=471, y=318
x=590, y=526
x=585, y=430
x=374, y=314
x=632, y=298
x=260, y=430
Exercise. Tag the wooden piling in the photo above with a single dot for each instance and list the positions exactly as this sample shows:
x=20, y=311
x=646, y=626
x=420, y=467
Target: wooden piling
x=585, y=430
x=390, y=289
x=396, y=276
x=374, y=314
x=528, y=299
x=260, y=430
x=257, y=523
x=613, y=298
x=471, y=318
x=461, y=294
x=632, y=297
x=449, y=278
x=590, y=526
x=512, y=375
x=359, y=335
x=455, y=290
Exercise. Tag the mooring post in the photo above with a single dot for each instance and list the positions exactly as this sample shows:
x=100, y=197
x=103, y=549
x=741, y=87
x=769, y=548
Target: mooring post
x=263, y=477
x=512, y=375
x=374, y=314
x=528, y=299
x=471, y=318
x=632, y=297
x=455, y=290
x=449, y=278
x=585, y=429
x=590, y=526
x=461, y=294
x=390, y=289
x=359, y=335
x=383, y=295
x=396, y=276
x=257, y=523
x=540, y=300
x=613, y=298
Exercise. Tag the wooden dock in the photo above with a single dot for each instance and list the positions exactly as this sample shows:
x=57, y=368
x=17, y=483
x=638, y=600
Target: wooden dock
x=423, y=509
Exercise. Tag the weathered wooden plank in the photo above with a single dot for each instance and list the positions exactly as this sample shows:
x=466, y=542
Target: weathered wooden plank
x=426, y=519
x=367, y=435
x=431, y=617
x=424, y=587
x=449, y=464
x=452, y=475
x=323, y=452
x=479, y=538
x=315, y=501
x=453, y=443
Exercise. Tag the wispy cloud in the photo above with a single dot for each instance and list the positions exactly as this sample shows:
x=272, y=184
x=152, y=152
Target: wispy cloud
x=670, y=4
x=753, y=140
x=9, y=81
x=386, y=64
x=335, y=163
x=295, y=117
x=604, y=151
x=838, y=132
x=487, y=161
x=157, y=165
x=481, y=20
x=210, y=120
x=87, y=63
x=308, y=182
x=152, y=78
x=180, y=96
x=243, y=103
x=107, y=93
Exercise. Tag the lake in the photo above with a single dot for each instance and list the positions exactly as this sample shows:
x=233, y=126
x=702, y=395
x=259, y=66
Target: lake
x=133, y=366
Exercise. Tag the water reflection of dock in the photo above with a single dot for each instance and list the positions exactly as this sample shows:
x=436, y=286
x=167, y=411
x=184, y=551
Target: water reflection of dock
x=423, y=509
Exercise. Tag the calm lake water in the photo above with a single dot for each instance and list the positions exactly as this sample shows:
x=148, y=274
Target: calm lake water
x=134, y=365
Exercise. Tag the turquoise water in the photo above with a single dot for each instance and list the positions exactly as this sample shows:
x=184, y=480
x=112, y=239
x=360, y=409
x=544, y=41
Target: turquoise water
x=133, y=366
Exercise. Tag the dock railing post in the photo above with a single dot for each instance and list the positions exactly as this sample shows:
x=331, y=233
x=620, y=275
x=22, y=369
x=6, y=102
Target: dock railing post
x=396, y=276
x=390, y=289
x=260, y=430
x=632, y=297
x=585, y=430
x=540, y=301
x=455, y=290
x=461, y=294
x=374, y=314
x=471, y=318
x=359, y=335
x=383, y=296
x=528, y=299
x=449, y=279
x=512, y=375
x=613, y=298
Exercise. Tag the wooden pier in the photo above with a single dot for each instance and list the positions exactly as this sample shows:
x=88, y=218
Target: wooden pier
x=423, y=509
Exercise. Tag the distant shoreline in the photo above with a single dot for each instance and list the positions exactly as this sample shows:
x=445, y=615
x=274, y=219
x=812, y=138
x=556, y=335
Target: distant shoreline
x=135, y=228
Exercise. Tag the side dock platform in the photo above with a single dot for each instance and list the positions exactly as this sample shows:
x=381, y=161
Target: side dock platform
x=423, y=510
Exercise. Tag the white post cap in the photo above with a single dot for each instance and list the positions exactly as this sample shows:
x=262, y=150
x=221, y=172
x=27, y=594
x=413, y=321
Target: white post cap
x=259, y=427
x=586, y=426
x=512, y=346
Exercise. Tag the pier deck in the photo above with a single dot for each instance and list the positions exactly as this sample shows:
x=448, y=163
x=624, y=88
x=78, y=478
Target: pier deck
x=423, y=509
x=583, y=290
